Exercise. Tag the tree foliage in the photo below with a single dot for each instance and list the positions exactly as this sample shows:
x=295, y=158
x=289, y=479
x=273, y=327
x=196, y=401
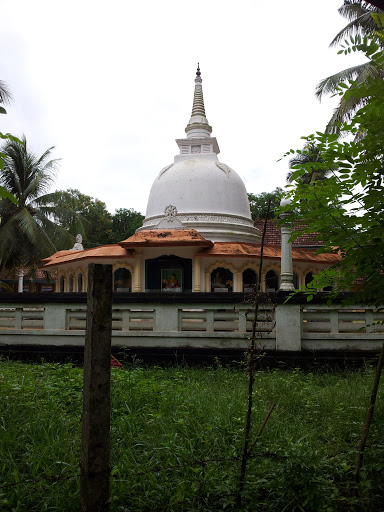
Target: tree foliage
x=311, y=153
x=5, y=97
x=125, y=222
x=96, y=225
x=258, y=203
x=347, y=209
x=361, y=21
x=33, y=228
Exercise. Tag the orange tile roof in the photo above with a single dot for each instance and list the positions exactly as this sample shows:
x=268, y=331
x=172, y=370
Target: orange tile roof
x=273, y=234
x=113, y=251
x=249, y=250
x=164, y=237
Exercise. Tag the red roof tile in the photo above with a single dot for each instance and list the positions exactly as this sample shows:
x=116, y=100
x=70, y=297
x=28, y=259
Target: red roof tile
x=249, y=250
x=113, y=251
x=273, y=235
x=164, y=237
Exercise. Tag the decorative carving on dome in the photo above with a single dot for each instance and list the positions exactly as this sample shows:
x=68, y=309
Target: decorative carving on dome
x=204, y=218
x=165, y=169
x=170, y=211
x=215, y=218
x=224, y=167
x=195, y=149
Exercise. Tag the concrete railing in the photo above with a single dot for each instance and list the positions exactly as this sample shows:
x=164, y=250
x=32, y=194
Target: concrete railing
x=211, y=322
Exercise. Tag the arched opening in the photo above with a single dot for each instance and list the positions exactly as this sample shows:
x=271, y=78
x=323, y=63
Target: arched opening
x=249, y=280
x=308, y=278
x=80, y=282
x=168, y=274
x=295, y=280
x=122, y=280
x=61, y=284
x=271, y=281
x=221, y=280
x=70, y=283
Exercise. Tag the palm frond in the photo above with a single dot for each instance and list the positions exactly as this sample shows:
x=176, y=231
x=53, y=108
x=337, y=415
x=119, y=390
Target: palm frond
x=5, y=93
x=348, y=107
x=362, y=24
x=330, y=84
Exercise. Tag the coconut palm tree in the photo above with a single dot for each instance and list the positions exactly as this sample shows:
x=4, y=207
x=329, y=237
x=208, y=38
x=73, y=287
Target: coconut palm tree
x=359, y=15
x=31, y=229
x=311, y=154
x=5, y=96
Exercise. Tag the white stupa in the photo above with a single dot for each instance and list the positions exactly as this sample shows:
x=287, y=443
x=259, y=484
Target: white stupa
x=199, y=192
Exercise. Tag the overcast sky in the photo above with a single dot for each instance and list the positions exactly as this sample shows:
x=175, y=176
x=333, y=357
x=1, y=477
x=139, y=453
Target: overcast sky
x=110, y=84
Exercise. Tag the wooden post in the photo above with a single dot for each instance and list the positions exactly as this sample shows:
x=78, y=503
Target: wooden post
x=95, y=470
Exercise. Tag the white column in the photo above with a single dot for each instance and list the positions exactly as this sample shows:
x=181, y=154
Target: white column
x=196, y=275
x=207, y=282
x=137, y=271
x=286, y=276
x=237, y=282
x=20, y=285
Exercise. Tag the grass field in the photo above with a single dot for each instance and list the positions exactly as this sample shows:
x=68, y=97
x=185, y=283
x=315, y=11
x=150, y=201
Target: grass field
x=177, y=433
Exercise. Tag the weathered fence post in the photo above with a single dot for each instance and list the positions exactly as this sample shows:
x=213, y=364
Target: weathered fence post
x=95, y=470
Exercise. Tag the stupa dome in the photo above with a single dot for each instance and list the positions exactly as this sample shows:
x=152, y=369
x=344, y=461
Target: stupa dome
x=199, y=192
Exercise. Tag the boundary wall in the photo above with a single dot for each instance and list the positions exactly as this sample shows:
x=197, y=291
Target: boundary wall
x=194, y=321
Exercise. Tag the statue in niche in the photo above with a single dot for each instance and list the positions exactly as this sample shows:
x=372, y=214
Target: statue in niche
x=217, y=281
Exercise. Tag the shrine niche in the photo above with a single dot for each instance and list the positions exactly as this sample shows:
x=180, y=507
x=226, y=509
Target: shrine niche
x=168, y=273
x=271, y=281
x=249, y=280
x=122, y=280
x=221, y=280
x=308, y=278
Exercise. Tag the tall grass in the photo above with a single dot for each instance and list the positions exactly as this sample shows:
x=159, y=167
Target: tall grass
x=177, y=434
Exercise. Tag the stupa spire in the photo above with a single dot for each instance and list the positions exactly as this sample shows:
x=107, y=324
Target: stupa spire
x=198, y=126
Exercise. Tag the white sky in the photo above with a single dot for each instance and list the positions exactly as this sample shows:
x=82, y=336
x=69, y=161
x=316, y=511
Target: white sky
x=110, y=84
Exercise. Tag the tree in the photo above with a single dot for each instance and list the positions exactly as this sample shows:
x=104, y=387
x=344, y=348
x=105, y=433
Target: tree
x=124, y=223
x=347, y=209
x=361, y=17
x=5, y=98
x=258, y=203
x=96, y=225
x=31, y=229
x=316, y=170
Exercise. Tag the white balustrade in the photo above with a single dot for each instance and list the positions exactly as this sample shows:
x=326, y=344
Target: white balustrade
x=285, y=327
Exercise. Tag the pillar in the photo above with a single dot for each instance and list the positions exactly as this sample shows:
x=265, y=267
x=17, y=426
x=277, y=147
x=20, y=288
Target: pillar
x=137, y=272
x=196, y=275
x=286, y=276
x=238, y=281
x=207, y=282
x=20, y=285
x=262, y=281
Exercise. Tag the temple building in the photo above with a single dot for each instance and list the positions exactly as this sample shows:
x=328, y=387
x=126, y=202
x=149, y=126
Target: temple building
x=197, y=235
